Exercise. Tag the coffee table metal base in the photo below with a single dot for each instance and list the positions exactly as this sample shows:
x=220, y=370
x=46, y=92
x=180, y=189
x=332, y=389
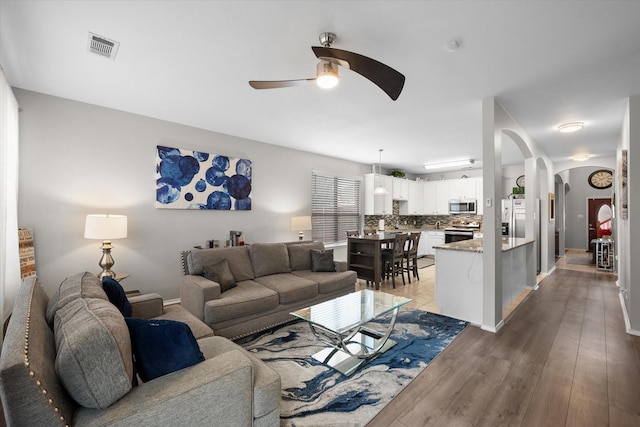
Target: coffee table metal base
x=344, y=362
x=349, y=352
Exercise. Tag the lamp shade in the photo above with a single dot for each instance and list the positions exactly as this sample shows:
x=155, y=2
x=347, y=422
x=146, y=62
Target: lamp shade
x=105, y=227
x=300, y=223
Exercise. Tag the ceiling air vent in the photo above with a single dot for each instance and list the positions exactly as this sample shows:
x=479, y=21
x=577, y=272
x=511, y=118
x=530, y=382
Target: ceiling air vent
x=103, y=46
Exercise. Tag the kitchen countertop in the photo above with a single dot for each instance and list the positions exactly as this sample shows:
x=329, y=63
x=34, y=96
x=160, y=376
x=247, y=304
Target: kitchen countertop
x=475, y=245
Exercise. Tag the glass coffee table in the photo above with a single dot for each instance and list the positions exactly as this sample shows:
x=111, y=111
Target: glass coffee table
x=341, y=323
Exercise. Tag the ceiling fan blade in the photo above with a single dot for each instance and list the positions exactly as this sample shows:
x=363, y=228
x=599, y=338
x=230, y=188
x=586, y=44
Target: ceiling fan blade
x=385, y=77
x=257, y=84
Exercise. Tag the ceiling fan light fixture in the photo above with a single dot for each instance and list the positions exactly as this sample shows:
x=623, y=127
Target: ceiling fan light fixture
x=327, y=75
x=444, y=165
x=570, y=127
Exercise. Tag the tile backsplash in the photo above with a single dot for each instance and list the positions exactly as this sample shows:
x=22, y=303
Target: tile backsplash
x=411, y=222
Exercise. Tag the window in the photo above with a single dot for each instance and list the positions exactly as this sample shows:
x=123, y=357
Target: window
x=335, y=206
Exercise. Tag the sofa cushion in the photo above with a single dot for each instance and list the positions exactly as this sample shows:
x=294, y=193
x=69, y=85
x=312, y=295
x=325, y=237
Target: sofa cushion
x=300, y=254
x=93, y=359
x=322, y=260
x=269, y=258
x=329, y=283
x=220, y=272
x=162, y=346
x=116, y=295
x=237, y=256
x=290, y=288
x=245, y=299
x=80, y=285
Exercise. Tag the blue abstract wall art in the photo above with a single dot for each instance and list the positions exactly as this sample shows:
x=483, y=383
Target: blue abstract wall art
x=188, y=179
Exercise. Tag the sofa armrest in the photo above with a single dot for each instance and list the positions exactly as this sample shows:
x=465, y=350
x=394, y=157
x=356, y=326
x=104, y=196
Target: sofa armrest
x=341, y=266
x=146, y=306
x=218, y=391
x=195, y=291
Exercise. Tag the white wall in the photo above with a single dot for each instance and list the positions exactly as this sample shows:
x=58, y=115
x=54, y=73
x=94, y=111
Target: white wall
x=77, y=159
x=628, y=231
x=576, y=207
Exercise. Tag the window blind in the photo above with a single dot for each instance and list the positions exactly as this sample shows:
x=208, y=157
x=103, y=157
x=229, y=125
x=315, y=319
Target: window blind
x=335, y=207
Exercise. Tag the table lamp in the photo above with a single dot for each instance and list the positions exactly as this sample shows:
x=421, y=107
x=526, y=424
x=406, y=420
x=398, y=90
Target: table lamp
x=300, y=223
x=105, y=227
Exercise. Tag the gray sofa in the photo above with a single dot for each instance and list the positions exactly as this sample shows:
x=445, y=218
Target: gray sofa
x=272, y=279
x=230, y=387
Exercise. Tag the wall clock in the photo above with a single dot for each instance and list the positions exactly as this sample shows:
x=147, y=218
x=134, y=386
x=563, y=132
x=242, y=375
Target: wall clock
x=601, y=179
x=520, y=181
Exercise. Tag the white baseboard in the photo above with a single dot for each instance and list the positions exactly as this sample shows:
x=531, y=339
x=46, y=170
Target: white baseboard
x=492, y=328
x=171, y=301
x=627, y=324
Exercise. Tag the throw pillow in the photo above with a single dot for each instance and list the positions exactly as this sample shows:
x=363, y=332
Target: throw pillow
x=162, y=346
x=322, y=260
x=93, y=352
x=117, y=296
x=220, y=272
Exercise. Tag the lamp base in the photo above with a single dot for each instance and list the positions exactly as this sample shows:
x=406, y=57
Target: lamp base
x=300, y=235
x=106, y=262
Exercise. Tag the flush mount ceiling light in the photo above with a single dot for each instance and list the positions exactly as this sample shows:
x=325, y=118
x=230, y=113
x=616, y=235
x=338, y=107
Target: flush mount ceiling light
x=581, y=157
x=570, y=127
x=444, y=165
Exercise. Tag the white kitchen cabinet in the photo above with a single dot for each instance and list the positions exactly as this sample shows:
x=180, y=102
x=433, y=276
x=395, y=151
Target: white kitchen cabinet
x=436, y=197
x=423, y=244
x=415, y=201
x=435, y=238
x=400, y=189
x=377, y=204
x=429, y=193
x=464, y=188
x=442, y=198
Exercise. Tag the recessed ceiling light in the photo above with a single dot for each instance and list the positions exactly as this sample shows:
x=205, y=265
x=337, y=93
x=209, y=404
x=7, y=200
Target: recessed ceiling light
x=581, y=157
x=570, y=127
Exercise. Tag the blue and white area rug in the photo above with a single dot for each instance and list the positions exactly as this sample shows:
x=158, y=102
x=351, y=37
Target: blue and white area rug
x=315, y=395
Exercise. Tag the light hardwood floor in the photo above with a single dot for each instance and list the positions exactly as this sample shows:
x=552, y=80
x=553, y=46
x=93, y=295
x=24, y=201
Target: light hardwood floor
x=563, y=358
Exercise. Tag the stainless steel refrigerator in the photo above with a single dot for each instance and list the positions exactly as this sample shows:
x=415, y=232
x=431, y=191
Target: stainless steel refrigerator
x=513, y=214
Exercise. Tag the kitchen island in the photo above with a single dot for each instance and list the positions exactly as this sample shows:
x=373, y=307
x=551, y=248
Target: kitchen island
x=459, y=275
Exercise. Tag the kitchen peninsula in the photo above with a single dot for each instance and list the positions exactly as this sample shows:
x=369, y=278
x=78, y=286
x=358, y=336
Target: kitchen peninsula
x=459, y=275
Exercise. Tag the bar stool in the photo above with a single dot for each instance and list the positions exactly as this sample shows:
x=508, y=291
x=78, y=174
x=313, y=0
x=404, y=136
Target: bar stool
x=411, y=255
x=393, y=259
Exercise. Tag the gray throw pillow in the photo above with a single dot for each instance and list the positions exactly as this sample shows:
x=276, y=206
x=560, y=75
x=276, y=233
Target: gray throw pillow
x=220, y=272
x=322, y=260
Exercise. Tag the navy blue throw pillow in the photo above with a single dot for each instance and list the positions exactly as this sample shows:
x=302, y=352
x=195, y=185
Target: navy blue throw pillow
x=116, y=295
x=162, y=346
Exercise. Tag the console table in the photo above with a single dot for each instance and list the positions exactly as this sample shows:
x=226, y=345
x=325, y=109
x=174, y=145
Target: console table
x=364, y=255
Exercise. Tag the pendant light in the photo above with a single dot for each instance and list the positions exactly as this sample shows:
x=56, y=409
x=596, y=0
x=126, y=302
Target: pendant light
x=380, y=190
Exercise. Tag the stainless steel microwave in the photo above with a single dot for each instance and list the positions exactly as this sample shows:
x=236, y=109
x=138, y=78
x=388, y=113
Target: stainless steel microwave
x=462, y=206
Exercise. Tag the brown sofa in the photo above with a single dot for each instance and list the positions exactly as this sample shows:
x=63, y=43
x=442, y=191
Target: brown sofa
x=272, y=279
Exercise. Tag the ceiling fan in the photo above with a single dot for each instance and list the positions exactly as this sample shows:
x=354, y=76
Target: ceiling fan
x=385, y=77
